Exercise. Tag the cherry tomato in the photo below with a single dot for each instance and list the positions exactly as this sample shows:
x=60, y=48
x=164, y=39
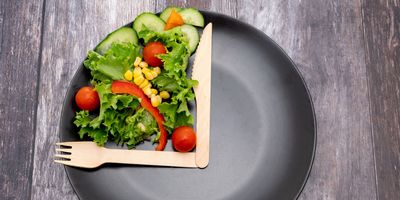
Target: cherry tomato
x=151, y=50
x=87, y=99
x=184, y=139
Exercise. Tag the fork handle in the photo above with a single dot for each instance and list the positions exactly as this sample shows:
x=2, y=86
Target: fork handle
x=143, y=157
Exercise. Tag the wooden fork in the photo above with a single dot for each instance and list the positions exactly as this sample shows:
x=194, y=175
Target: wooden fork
x=89, y=155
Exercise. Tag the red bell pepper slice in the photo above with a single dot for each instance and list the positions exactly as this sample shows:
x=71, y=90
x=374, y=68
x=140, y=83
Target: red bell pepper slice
x=123, y=87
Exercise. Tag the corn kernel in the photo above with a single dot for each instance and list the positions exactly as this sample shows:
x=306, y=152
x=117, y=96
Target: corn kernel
x=154, y=91
x=147, y=91
x=157, y=70
x=149, y=74
x=144, y=83
x=139, y=80
x=141, y=127
x=137, y=61
x=164, y=94
x=147, y=86
x=143, y=64
x=137, y=71
x=154, y=74
x=128, y=75
x=145, y=70
x=155, y=100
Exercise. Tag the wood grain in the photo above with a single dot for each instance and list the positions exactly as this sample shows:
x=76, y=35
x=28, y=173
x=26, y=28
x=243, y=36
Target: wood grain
x=71, y=28
x=202, y=73
x=199, y=4
x=20, y=28
x=382, y=44
x=325, y=39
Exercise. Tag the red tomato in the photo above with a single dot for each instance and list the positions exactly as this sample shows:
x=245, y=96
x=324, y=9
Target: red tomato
x=87, y=99
x=151, y=50
x=184, y=139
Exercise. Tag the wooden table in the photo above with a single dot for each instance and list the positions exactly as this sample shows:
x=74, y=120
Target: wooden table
x=348, y=52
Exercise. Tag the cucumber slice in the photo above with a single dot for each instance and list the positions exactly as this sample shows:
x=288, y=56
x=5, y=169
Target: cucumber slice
x=192, y=16
x=167, y=12
x=192, y=35
x=150, y=20
x=122, y=35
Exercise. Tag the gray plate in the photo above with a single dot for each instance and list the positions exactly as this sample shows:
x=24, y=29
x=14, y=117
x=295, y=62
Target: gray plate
x=263, y=132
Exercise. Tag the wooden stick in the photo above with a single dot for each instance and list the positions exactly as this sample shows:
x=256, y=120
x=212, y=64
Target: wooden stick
x=202, y=73
x=142, y=157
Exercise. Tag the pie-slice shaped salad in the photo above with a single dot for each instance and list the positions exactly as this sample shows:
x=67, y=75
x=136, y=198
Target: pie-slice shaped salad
x=139, y=88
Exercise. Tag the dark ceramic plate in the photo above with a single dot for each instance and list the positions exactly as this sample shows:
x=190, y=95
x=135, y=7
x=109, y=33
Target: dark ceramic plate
x=263, y=132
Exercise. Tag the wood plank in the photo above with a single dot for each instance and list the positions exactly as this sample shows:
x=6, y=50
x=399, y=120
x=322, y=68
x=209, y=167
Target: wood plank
x=199, y=4
x=71, y=28
x=227, y=7
x=382, y=46
x=325, y=39
x=20, y=28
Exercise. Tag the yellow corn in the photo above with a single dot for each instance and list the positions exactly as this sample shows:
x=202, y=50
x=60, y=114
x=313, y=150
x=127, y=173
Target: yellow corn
x=138, y=80
x=137, y=72
x=144, y=83
x=154, y=91
x=143, y=64
x=157, y=70
x=155, y=100
x=148, y=86
x=149, y=74
x=128, y=75
x=147, y=91
x=141, y=127
x=154, y=74
x=145, y=71
x=137, y=61
x=164, y=94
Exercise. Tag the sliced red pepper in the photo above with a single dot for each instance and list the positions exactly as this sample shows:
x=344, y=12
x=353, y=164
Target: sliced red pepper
x=123, y=87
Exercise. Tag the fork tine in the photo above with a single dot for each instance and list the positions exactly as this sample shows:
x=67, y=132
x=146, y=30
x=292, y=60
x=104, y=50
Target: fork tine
x=64, y=162
x=64, y=150
x=63, y=156
x=67, y=144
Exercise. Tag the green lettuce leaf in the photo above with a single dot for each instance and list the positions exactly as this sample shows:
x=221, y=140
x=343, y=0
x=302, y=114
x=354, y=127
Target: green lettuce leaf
x=113, y=64
x=173, y=78
x=119, y=118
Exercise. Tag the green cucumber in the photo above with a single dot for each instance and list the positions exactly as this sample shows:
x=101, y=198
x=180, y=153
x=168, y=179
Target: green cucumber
x=167, y=12
x=192, y=35
x=192, y=16
x=121, y=35
x=150, y=20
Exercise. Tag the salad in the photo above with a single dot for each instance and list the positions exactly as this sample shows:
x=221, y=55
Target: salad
x=139, y=88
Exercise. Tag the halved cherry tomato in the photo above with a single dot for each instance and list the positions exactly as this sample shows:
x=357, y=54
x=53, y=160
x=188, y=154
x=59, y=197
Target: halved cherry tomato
x=184, y=139
x=151, y=50
x=87, y=99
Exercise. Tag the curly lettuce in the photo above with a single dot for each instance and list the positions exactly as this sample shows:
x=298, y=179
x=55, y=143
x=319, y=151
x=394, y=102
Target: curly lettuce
x=113, y=64
x=121, y=118
x=173, y=78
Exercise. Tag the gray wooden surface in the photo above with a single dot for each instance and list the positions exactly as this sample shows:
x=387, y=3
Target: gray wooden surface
x=347, y=50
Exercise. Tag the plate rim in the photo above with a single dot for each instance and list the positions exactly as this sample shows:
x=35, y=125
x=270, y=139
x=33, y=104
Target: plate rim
x=275, y=44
